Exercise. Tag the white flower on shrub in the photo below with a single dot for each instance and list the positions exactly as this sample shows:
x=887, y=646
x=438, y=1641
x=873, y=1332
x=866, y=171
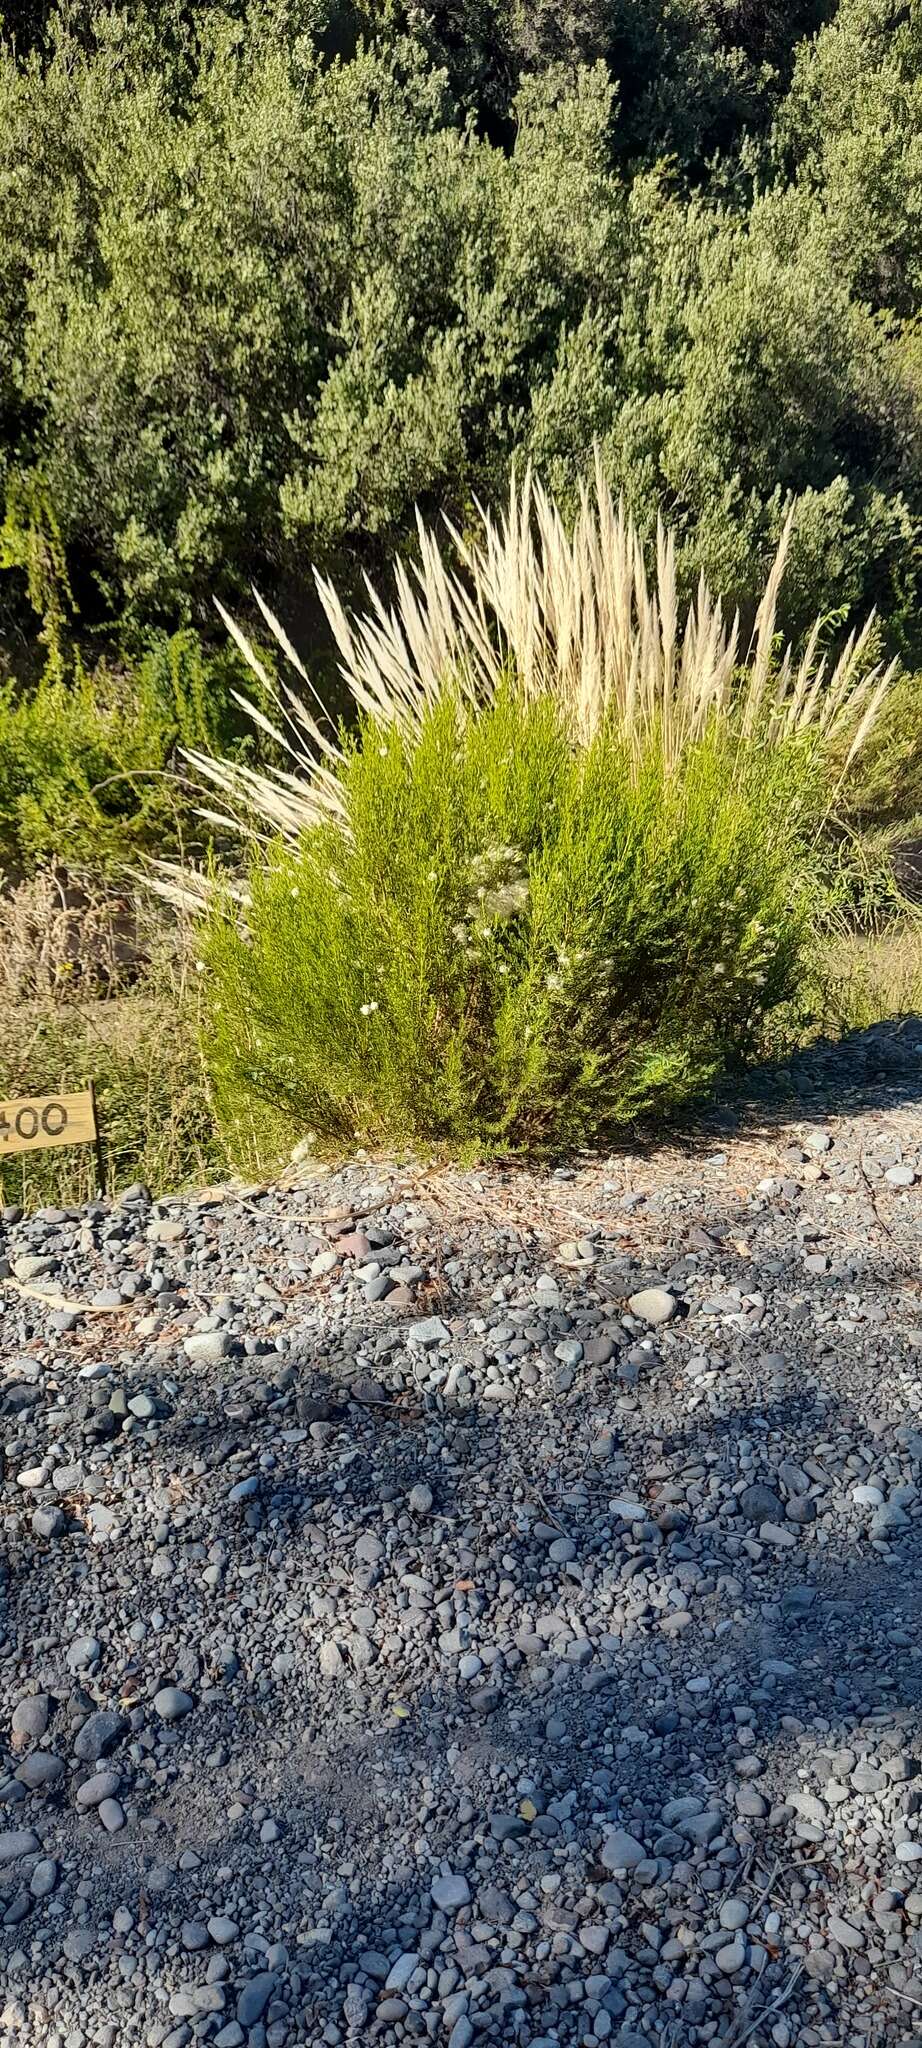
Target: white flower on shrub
x=504, y=902
x=365, y=1009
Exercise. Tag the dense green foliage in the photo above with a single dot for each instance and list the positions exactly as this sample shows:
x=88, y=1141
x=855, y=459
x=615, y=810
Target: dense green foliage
x=90, y=767
x=276, y=269
x=517, y=942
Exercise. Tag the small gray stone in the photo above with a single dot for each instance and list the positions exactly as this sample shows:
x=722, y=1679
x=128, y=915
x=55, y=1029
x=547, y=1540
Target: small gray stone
x=100, y=1733
x=16, y=1842
x=621, y=1851
x=401, y=1971
x=171, y=1703
x=255, y=1997
x=759, y=1504
x=44, y=1878
x=702, y=1827
x=599, y=1350
x=33, y=1266
x=32, y=1477
x=732, y=1956
x=41, y=1768
x=842, y=1931
x=751, y=1804
x=103, y=1785
x=49, y=1522
x=222, y=1930
x=79, y=1944
x=166, y=1230
x=653, y=1305
x=810, y=1808
x=355, y=2009
x=450, y=1893
x=207, y=1347
x=30, y=1716
x=112, y=1815
x=192, y=1999
x=244, y=1490
x=83, y=1653
x=429, y=1332
x=67, y=1478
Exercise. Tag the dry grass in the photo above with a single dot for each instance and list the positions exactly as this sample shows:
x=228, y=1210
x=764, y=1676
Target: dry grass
x=142, y=1051
x=63, y=936
x=572, y=614
x=870, y=976
x=96, y=983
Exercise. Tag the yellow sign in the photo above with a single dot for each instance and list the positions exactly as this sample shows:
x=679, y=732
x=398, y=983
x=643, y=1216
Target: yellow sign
x=32, y=1122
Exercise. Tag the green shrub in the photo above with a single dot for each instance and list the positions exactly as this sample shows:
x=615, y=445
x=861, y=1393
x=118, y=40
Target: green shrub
x=89, y=767
x=518, y=942
x=562, y=870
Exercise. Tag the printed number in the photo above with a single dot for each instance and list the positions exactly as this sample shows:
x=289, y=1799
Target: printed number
x=53, y=1122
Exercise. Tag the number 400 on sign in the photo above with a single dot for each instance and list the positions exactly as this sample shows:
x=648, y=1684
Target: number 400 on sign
x=32, y=1122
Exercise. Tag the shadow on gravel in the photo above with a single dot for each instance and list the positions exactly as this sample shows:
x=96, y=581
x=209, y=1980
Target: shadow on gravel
x=833, y=1641
x=880, y=1067
x=592, y=1695
x=877, y=1068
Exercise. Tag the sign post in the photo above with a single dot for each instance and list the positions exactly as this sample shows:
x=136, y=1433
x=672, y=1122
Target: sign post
x=34, y=1123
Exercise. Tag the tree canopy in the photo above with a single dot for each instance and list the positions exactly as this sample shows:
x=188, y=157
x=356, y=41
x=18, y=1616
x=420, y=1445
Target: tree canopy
x=277, y=270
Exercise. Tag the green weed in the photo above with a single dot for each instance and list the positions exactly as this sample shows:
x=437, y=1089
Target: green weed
x=89, y=758
x=517, y=942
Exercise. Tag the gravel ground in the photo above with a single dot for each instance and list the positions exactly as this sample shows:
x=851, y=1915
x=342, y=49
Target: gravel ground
x=475, y=1607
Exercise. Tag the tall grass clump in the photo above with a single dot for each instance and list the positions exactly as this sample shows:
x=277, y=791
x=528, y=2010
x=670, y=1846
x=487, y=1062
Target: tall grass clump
x=560, y=870
x=143, y=1054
